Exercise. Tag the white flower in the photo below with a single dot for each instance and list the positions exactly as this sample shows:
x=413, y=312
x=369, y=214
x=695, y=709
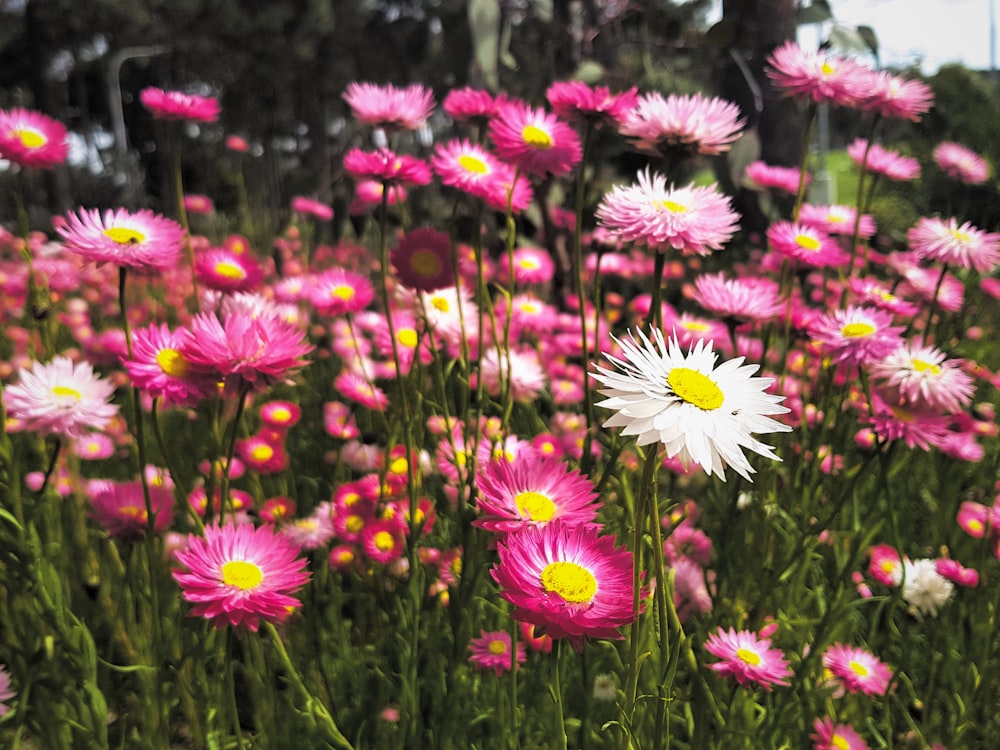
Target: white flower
x=701, y=413
x=923, y=587
x=605, y=688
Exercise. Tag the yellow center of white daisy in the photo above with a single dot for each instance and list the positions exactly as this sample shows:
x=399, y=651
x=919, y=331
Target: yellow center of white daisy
x=343, y=292
x=839, y=743
x=242, y=574
x=471, y=163
x=535, y=137
x=535, y=506
x=920, y=366
x=124, y=235
x=497, y=647
x=173, y=363
x=673, y=206
x=64, y=391
x=574, y=583
x=858, y=668
x=30, y=138
x=440, y=304
x=230, y=270
x=696, y=388
x=407, y=337
x=384, y=541
x=262, y=452
x=806, y=242
x=747, y=656
x=857, y=330
x=425, y=263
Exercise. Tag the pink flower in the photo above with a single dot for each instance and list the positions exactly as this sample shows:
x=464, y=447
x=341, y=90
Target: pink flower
x=889, y=164
x=744, y=298
x=682, y=124
x=857, y=335
x=885, y=565
x=470, y=167
x=829, y=736
x=389, y=106
x=785, y=179
x=423, y=260
x=532, y=265
x=382, y=541
x=236, y=575
x=961, y=163
x=387, y=167
x=748, y=659
x=924, y=376
x=820, y=76
x=694, y=220
x=492, y=650
x=198, y=204
x=955, y=572
x=857, y=670
x=31, y=139
x=159, y=367
x=226, y=271
x=120, y=507
x=7, y=693
x=142, y=240
x=836, y=220
x=894, y=96
x=176, y=105
x=237, y=144
x=469, y=104
x=246, y=351
x=310, y=207
x=533, y=140
x=337, y=291
x=945, y=241
x=59, y=398
x=567, y=579
x=575, y=101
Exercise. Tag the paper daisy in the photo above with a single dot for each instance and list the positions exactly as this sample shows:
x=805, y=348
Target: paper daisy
x=141, y=240
x=702, y=414
x=7, y=693
x=31, y=139
x=746, y=298
x=423, y=260
x=859, y=671
x=857, y=335
x=924, y=588
x=566, y=579
x=829, y=736
x=894, y=96
x=884, y=162
x=60, y=398
x=390, y=106
x=532, y=489
x=924, y=375
x=176, y=105
x=337, y=291
x=821, y=76
x=682, y=124
x=961, y=163
x=575, y=101
x=471, y=168
x=387, y=167
x=784, y=179
x=534, y=140
x=158, y=367
x=804, y=244
x=120, y=507
x=238, y=574
x=492, y=650
x=747, y=658
x=946, y=241
x=311, y=207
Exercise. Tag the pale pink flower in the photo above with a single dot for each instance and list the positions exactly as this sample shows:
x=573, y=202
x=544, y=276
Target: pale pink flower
x=961, y=163
x=689, y=124
x=389, y=106
x=889, y=164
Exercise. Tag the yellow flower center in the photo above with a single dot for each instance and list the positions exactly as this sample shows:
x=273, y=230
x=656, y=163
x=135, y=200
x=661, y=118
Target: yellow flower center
x=425, y=263
x=64, y=391
x=673, y=206
x=280, y=414
x=806, y=242
x=132, y=511
x=355, y=524
x=242, y=574
x=384, y=541
x=173, y=363
x=827, y=69
x=230, y=270
x=959, y=235
x=858, y=668
x=124, y=235
x=262, y=452
x=529, y=264
x=398, y=466
x=888, y=566
x=747, y=656
x=530, y=308
x=535, y=506
x=835, y=218
x=30, y=138
x=976, y=525
x=343, y=292
x=497, y=647
x=695, y=388
x=840, y=743
x=574, y=583
x=694, y=325
x=920, y=366
x=471, y=163
x=857, y=330
x=535, y=137
x=407, y=337
x=903, y=415
x=440, y=304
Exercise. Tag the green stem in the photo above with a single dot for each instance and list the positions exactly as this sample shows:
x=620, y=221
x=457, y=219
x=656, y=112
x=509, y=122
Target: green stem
x=559, y=739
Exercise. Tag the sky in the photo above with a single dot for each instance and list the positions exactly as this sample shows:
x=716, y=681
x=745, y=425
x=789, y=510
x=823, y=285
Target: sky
x=931, y=31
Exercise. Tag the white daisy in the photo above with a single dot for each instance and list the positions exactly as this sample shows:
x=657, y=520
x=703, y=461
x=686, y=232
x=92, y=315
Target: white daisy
x=701, y=413
x=924, y=589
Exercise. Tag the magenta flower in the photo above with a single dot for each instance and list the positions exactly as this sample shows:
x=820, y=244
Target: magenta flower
x=961, y=163
x=59, y=398
x=337, y=291
x=837, y=220
x=423, y=260
x=387, y=167
x=566, y=579
x=471, y=168
x=575, y=101
x=857, y=335
x=310, y=207
x=7, y=692
x=227, y=271
x=857, y=670
x=784, y=179
x=176, y=105
x=532, y=489
x=492, y=650
x=805, y=245
x=688, y=124
x=159, y=367
x=746, y=298
x=237, y=575
x=389, y=106
x=248, y=352
x=471, y=105
x=31, y=139
x=533, y=140
x=120, y=507
x=829, y=736
x=141, y=240
x=747, y=658
x=694, y=220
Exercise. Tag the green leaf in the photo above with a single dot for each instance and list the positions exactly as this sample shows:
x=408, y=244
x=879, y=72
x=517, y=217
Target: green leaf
x=484, y=23
x=868, y=34
x=848, y=39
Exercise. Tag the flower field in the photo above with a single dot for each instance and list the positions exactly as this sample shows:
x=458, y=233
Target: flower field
x=535, y=457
